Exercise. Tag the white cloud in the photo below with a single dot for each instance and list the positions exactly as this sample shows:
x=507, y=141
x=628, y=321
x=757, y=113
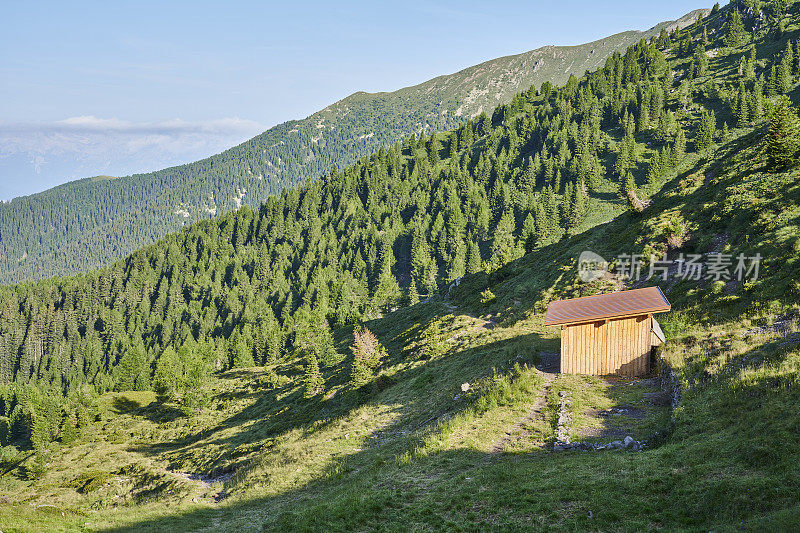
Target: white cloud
x=92, y=124
x=36, y=155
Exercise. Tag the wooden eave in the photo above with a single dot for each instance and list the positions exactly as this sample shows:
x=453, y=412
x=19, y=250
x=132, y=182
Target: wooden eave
x=609, y=306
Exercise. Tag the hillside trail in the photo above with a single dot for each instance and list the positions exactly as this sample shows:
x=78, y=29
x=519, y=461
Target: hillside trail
x=481, y=321
x=548, y=368
x=205, y=483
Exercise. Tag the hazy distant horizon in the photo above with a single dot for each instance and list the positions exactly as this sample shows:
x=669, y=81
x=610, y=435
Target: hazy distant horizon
x=37, y=157
x=116, y=89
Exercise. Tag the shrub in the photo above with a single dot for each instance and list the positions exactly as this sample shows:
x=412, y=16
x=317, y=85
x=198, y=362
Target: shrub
x=487, y=297
x=90, y=481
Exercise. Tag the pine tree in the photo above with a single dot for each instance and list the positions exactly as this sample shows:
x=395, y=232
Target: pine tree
x=529, y=236
x=474, y=263
x=735, y=29
x=783, y=136
x=368, y=353
x=313, y=380
x=413, y=293
x=706, y=130
x=741, y=112
x=627, y=185
x=503, y=243
x=783, y=80
x=750, y=67
x=796, y=59
x=772, y=86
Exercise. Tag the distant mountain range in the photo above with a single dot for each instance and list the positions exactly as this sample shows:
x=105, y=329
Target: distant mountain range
x=88, y=223
x=41, y=155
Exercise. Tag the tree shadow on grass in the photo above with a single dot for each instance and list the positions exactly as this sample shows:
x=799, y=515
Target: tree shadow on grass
x=393, y=487
x=156, y=412
x=404, y=395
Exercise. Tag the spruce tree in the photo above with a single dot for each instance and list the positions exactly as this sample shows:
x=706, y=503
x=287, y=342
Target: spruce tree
x=788, y=56
x=735, y=31
x=474, y=261
x=783, y=136
x=168, y=374
x=783, y=80
x=529, y=236
x=313, y=380
x=653, y=171
x=627, y=185
x=741, y=112
x=796, y=58
x=750, y=67
x=706, y=130
x=413, y=293
x=699, y=66
x=772, y=85
x=503, y=242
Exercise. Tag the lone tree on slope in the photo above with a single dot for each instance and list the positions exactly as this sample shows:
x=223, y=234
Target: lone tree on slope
x=783, y=136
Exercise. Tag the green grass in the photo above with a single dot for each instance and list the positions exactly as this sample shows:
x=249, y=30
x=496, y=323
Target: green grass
x=417, y=453
x=414, y=456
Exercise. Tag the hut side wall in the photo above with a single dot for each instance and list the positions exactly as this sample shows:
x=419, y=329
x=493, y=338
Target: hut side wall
x=619, y=346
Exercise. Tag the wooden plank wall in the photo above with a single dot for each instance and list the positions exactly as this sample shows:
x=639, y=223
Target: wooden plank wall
x=620, y=346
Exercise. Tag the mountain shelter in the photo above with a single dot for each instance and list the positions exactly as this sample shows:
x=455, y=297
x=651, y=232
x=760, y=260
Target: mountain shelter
x=611, y=333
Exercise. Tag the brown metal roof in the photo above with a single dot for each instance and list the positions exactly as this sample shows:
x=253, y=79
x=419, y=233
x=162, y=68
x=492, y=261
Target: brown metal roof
x=602, y=306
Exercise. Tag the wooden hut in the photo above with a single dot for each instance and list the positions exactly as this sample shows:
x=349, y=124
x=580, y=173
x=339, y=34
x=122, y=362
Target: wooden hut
x=610, y=333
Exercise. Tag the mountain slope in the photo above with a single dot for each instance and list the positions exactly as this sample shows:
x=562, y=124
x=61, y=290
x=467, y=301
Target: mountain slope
x=88, y=223
x=416, y=449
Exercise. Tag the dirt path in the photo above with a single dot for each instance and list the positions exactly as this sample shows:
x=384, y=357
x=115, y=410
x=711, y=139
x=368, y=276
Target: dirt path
x=548, y=368
x=205, y=482
x=481, y=322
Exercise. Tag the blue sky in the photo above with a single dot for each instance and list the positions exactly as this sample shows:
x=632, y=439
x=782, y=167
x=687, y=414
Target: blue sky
x=238, y=67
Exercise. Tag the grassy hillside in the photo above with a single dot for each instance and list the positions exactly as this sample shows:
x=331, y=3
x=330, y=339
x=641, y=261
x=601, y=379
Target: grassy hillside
x=417, y=452
x=416, y=448
x=89, y=223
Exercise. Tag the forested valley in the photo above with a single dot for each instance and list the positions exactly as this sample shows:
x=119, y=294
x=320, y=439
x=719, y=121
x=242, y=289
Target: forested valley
x=90, y=223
